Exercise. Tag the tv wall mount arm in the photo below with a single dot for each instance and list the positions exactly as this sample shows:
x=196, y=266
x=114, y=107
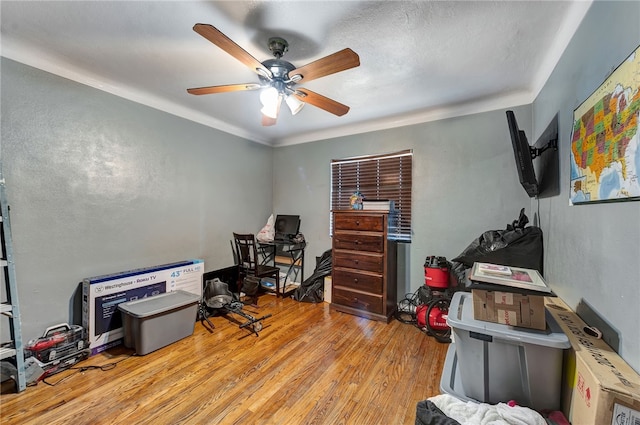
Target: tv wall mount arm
x=536, y=152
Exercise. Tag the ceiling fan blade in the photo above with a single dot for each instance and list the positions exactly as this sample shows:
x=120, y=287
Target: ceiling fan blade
x=339, y=61
x=321, y=102
x=223, y=89
x=268, y=121
x=214, y=35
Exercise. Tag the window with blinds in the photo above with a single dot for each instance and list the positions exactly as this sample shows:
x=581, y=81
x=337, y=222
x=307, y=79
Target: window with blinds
x=376, y=177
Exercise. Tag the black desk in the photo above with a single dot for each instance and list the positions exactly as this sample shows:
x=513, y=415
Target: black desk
x=284, y=253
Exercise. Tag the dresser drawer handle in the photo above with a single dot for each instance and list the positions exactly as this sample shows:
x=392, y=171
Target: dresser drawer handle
x=356, y=261
x=355, y=280
x=357, y=222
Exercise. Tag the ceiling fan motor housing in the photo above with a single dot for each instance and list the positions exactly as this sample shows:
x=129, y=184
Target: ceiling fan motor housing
x=278, y=46
x=279, y=68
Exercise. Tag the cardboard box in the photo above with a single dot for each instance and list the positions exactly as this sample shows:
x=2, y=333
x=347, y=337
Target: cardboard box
x=599, y=387
x=327, y=289
x=101, y=295
x=509, y=308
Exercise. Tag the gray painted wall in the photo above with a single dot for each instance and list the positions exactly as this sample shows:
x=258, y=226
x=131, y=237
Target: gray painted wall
x=592, y=251
x=98, y=184
x=465, y=182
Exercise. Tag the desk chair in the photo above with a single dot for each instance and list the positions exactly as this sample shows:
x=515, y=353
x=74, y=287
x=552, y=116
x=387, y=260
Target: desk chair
x=247, y=255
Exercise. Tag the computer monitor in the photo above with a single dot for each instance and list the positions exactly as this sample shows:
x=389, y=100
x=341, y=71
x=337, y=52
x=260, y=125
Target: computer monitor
x=286, y=226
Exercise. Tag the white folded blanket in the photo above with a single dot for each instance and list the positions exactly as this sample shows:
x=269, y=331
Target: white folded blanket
x=470, y=413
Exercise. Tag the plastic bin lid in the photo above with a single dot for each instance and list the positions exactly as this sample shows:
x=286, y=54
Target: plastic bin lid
x=461, y=317
x=160, y=303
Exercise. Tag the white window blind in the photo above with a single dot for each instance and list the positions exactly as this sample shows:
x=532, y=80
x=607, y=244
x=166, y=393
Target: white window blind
x=385, y=176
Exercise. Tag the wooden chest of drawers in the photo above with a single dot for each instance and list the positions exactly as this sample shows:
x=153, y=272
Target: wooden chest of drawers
x=364, y=265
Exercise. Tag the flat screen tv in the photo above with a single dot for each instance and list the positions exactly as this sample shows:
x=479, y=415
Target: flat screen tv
x=547, y=165
x=524, y=159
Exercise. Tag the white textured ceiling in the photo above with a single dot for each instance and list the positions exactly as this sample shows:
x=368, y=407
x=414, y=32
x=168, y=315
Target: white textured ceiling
x=420, y=60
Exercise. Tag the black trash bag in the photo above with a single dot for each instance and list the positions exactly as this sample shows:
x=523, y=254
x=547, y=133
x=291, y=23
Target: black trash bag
x=516, y=246
x=312, y=289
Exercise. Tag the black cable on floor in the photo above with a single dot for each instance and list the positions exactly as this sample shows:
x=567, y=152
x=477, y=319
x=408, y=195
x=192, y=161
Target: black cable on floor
x=104, y=368
x=406, y=311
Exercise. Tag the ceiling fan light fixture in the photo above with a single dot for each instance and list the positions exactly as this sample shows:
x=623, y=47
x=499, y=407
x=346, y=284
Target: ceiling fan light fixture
x=269, y=112
x=270, y=103
x=269, y=97
x=294, y=104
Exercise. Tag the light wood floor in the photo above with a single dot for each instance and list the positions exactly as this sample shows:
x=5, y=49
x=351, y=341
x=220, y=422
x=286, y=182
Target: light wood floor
x=308, y=366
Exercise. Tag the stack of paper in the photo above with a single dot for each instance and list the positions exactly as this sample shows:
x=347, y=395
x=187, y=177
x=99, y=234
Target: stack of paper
x=377, y=204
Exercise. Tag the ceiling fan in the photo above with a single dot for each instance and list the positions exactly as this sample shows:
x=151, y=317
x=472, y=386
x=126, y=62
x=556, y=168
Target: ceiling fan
x=278, y=78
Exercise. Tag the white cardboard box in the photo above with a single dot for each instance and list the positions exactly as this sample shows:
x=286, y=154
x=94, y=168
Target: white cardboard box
x=101, y=295
x=599, y=387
